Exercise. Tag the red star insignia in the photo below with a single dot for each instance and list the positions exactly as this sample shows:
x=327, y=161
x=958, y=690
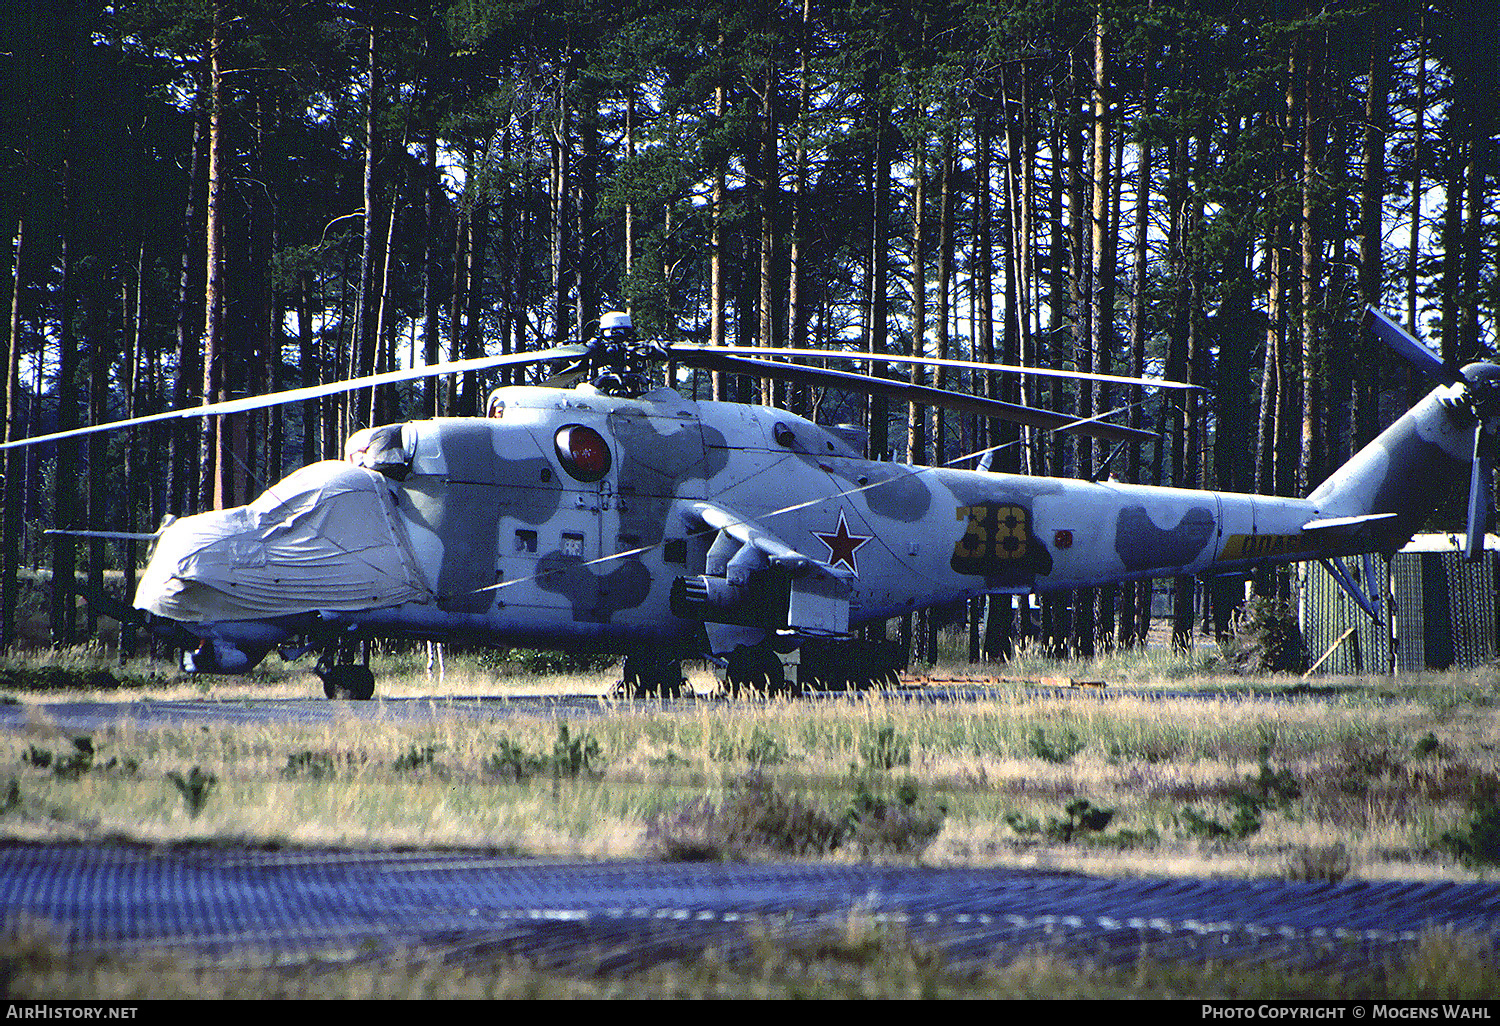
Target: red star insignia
x=842, y=545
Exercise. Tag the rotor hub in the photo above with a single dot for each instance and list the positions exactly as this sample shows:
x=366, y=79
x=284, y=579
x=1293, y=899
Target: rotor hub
x=619, y=359
x=1483, y=386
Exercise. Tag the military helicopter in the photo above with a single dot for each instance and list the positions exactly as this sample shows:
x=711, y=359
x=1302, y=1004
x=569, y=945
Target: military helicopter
x=602, y=512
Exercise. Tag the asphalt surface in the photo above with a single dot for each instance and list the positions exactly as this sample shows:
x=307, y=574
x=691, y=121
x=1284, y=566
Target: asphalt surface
x=85, y=716
x=239, y=904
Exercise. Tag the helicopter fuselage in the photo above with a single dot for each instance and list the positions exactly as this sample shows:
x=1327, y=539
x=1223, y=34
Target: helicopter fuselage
x=576, y=519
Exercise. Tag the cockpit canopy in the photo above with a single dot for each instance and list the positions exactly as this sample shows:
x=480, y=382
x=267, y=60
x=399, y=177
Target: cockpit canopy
x=387, y=450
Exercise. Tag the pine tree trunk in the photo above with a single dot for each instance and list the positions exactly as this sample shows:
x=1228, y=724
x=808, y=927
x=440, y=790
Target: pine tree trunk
x=1418, y=156
x=15, y=459
x=367, y=315
x=214, y=453
x=1313, y=129
x=797, y=305
x=877, y=331
x=185, y=435
x=716, y=334
x=916, y=443
x=1364, y=416
x=944, y=286
x=1102, y=260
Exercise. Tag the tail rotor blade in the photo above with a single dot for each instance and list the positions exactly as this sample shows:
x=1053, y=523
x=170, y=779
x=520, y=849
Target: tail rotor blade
x=1409, y=349
x=1481, y=489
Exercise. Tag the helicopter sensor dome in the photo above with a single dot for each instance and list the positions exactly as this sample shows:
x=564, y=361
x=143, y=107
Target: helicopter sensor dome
x=614, y=322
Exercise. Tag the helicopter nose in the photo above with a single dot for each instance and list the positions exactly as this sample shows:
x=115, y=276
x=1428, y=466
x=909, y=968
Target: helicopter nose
x=326, y=538
x=173, y=584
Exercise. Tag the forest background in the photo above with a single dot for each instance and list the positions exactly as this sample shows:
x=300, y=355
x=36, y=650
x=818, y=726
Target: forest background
x=214, y=198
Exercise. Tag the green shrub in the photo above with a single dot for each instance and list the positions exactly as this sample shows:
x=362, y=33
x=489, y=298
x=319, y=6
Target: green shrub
x=194, y=787
x=1269, y=788
x=542, y=663
x=886, y=750
x=575, y=756
x=416, y=758
x=765, y=748
x=1479, y=842
x=1060, y=751
x=757, y=816
x=1246, y=821
x=318, y=765
x=570, y=757
x=1267, y=639
x=1080, y=817
x=70, y=678
x=73, y=764
x=905, y=826
x=760, y=815
x=512, y=762
x=1426, y=746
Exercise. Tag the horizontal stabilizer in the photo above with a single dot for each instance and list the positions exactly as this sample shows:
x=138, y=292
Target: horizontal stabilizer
x=1346, y=525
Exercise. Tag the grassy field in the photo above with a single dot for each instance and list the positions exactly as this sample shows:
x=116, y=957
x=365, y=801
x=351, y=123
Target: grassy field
x=1368, y=778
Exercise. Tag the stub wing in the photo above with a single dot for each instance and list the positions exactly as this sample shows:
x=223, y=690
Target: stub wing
x=755, y=579
x=750, y=533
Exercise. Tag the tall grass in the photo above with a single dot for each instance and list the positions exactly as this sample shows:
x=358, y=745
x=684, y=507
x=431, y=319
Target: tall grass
x=1386, y=774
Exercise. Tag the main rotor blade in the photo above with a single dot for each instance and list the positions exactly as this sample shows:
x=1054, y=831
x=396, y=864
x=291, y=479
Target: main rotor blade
x=314, y=392
x=1409, y=349
x=920, y=394
x=833, y=354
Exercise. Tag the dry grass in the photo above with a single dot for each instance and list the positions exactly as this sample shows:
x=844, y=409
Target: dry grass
x=862, y=959
x=1358, y=779
x=1381, y=770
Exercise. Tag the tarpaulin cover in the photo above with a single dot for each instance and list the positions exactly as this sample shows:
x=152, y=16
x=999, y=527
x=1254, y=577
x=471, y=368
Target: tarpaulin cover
x=327, y=537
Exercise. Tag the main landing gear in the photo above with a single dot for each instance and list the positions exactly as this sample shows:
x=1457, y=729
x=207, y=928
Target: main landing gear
x=756, y=670
x=651, y=676
x=759, y=671
x=342, y=676
x=817, y=665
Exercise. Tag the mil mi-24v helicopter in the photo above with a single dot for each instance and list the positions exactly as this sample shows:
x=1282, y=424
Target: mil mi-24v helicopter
x=619, y=517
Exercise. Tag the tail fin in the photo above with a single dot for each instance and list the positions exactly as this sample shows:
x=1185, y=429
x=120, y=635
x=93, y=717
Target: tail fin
x=1411, y=469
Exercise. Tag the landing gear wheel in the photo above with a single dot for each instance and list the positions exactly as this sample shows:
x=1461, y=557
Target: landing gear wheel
x=356, y=682
x=650, y=677
x=756, y=669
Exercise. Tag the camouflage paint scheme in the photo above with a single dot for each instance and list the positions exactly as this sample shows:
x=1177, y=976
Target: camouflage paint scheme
x=517, y=550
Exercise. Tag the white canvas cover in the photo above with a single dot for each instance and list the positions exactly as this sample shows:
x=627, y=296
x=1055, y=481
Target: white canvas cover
x=327, y=537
